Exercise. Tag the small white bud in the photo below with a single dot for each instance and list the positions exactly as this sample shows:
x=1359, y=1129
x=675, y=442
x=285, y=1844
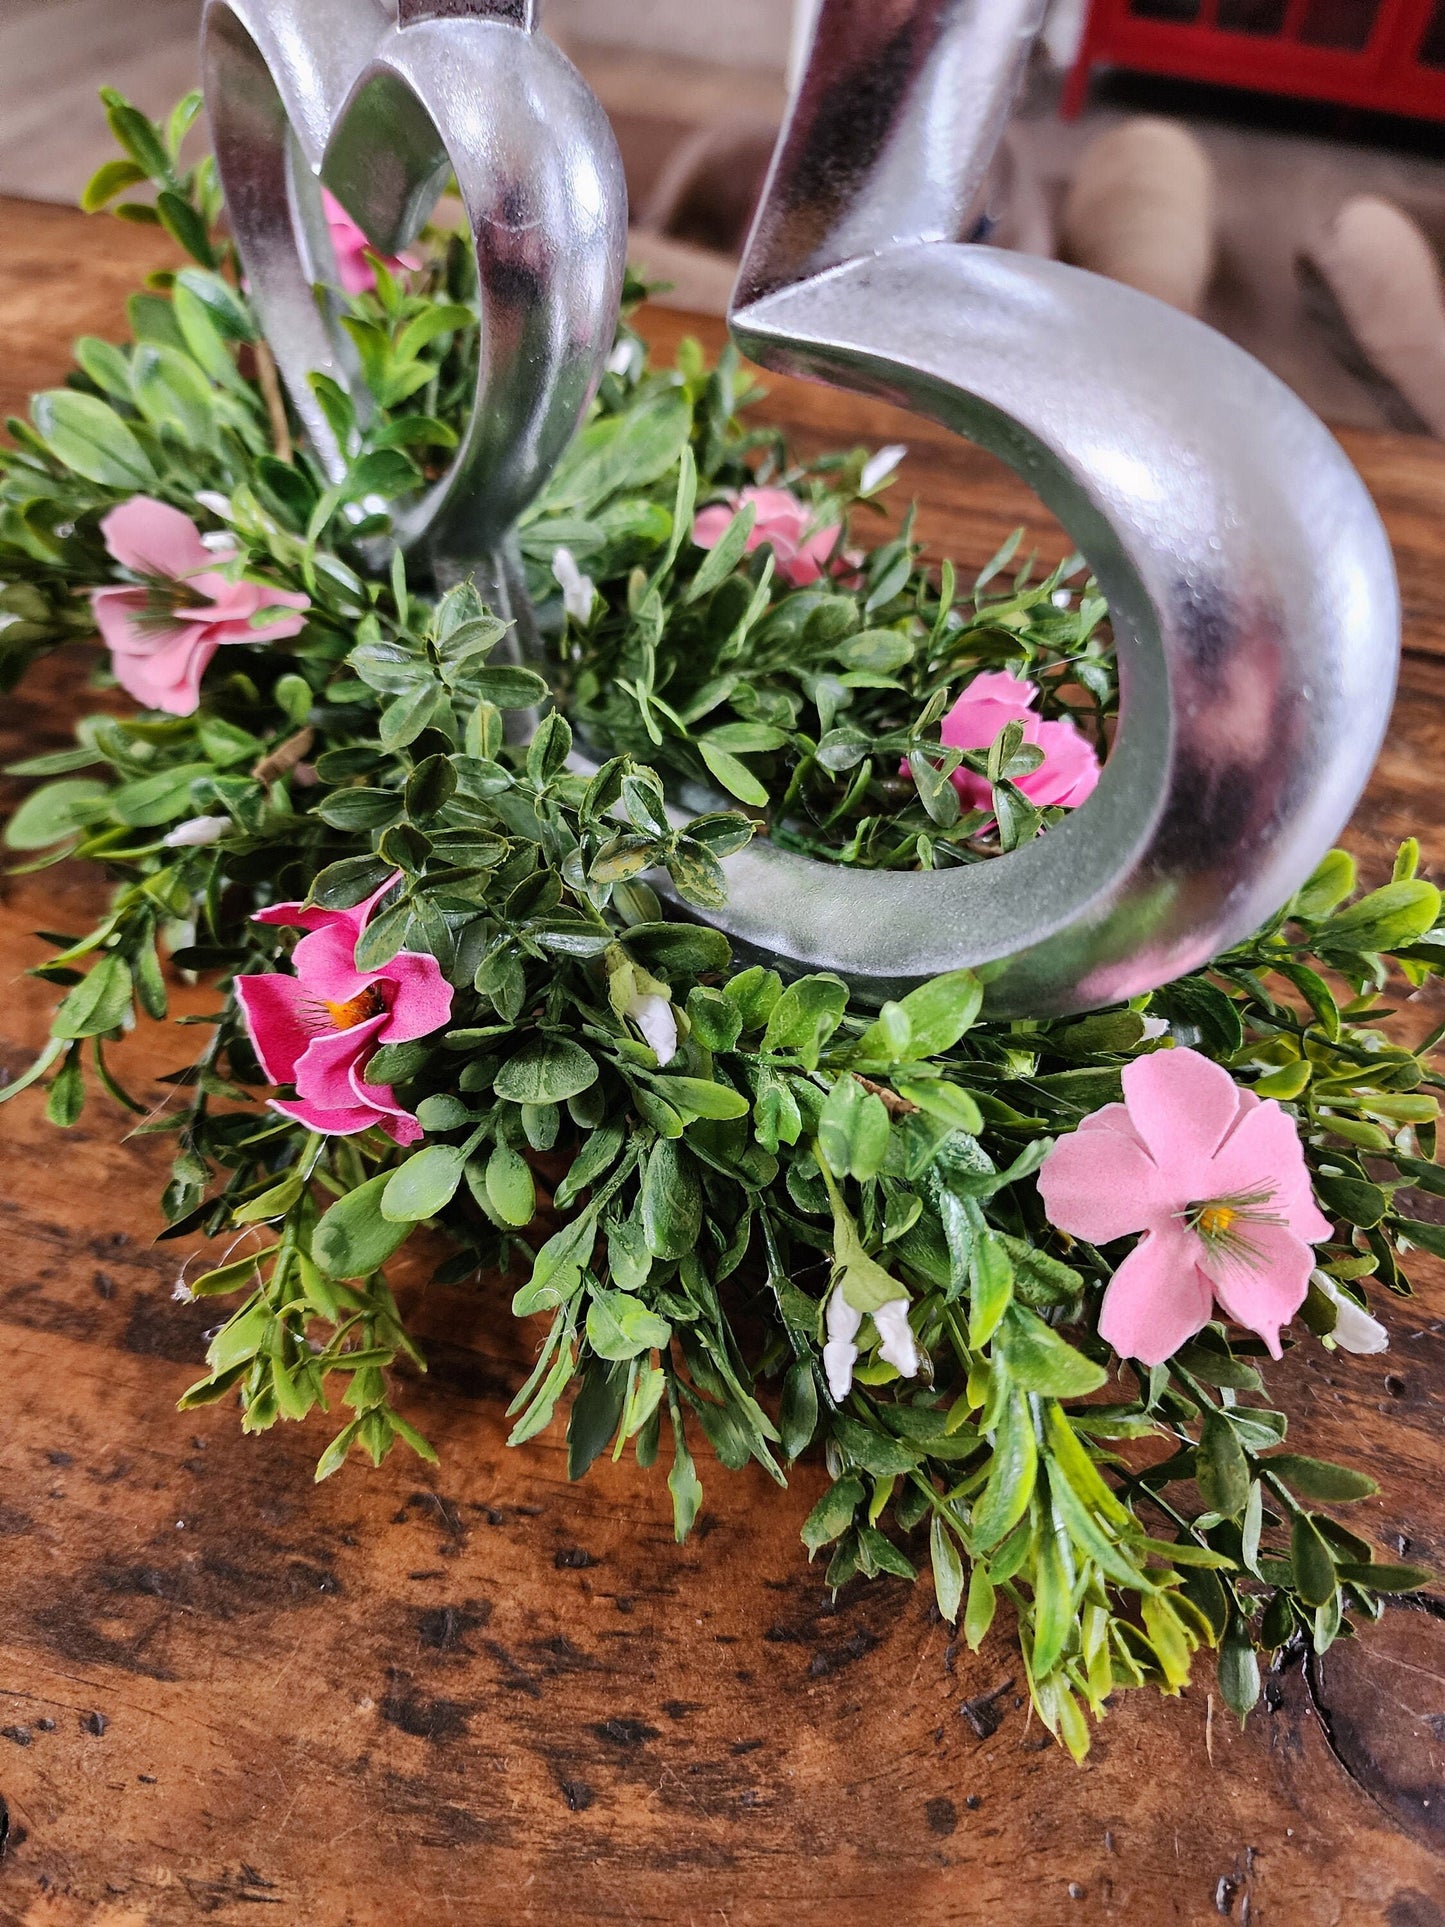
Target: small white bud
x=898, y=1345
x=578, y=590
x=840, y=1354
x=877, y=470
x=1355, y=1330
x=655, y=1017
x=217, y=504
x=200, y=829
x=623, y=358
x=1155, y=1028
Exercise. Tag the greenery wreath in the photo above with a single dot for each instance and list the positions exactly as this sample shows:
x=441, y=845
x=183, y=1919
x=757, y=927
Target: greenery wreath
x=739, y=1210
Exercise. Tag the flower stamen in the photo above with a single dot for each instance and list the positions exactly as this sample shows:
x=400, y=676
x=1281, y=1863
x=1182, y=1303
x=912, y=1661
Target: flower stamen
x=1223, y=1225
x=360, y=1009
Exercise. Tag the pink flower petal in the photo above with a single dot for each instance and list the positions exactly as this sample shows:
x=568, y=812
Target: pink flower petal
x=324, y=1073
x=422, y=1001
x=1263, y=1154
x=1070, y=770
x=1112, y=1117
x=1070, y=773
x=160, y=665
x=282, y=1021
x=1101, y=1185
x=1157, y=1298
x=1182, y=1106
x=300, y=915
x=712, y=524
x=782, y=523
x=1265, y=1288
x=247, y=631
x=152, y=538
x=330, y=1123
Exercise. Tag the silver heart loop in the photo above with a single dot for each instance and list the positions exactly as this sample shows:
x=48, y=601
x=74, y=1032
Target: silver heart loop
x=302, y=92
x=1251, y=585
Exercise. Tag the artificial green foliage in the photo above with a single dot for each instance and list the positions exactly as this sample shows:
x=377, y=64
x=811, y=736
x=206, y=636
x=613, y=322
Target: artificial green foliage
x=673, y=1229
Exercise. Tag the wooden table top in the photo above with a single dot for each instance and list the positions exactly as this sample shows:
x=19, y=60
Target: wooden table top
x=482, y=1694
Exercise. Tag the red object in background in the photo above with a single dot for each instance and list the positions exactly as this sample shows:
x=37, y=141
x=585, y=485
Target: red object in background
x=1383, y=54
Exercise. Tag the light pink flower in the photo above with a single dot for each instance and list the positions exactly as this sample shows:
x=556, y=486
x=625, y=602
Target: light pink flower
x=783, y=522
x=318, y=1029
x=1216, y=1180
x=1069, y=772
x=162, y=636
x=355, y=256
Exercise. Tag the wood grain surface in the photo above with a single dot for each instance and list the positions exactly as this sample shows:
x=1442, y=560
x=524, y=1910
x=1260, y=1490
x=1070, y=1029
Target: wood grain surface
x=486, y=1695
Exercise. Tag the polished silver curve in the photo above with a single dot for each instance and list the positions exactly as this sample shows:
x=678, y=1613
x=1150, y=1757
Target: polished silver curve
x=1251, y=584
x=302, y=92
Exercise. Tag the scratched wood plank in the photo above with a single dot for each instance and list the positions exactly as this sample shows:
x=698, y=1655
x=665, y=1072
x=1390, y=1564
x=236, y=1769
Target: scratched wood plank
x=486, y=1695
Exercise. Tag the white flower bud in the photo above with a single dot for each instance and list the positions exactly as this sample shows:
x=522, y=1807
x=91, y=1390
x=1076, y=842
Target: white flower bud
x=578, y=590
x=840, y=1354
x=877, y=470
x=1355, y=1330
x=655, y=1017
x=623, y=358
x=898, y=1345
x=200, y=829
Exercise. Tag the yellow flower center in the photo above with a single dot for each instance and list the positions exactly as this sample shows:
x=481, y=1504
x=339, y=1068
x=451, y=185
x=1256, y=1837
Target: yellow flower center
x=1215, y=1220
x=360, y=1009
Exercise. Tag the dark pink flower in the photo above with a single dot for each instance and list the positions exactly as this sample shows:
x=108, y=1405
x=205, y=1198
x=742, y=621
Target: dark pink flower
x=162, y=636
x=783, y=522
x=1069, y=772
x=1216, y=1180
x=355, y=256
x=318, y=1029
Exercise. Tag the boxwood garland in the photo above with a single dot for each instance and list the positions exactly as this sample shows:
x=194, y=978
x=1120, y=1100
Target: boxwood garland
x=676, y=1227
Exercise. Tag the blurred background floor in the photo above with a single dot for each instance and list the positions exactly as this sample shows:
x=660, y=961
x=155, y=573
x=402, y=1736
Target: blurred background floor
x=696, y=95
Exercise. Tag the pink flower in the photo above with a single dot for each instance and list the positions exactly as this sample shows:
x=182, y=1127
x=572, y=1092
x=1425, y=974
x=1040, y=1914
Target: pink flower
x=318, y=1029
x=783, y=523
x=162, y=636
x=1069, y=772
x=1216, y=1180
x=355, y=256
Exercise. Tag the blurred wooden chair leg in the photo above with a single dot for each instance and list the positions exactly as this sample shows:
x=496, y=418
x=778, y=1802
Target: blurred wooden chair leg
x=1373, y=282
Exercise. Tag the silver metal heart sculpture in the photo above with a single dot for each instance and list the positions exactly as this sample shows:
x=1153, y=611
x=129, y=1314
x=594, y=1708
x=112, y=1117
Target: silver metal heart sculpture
x=1251, y=586
x=384, y=111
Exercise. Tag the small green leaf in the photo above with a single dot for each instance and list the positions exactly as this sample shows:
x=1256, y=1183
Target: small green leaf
x=100, y=1002
x=671, y=1201
x=353, y=1239
x=978, y=1615
x=1221, y=1469
x=87, y=435
x=1239, y=1671
x=1011, y=1480
x=1319, y=1479
x=735, y=776
x=549, y=1070
x=511, y=1188
x=833, y=1514
x=424, y=1185
x=991, y=1282
x=947, y=1569
x=1038, y=1360
x=49, y=815
x=937, y=1014
x=853, y=1130
x=1314, y=1570
x=621, y=1326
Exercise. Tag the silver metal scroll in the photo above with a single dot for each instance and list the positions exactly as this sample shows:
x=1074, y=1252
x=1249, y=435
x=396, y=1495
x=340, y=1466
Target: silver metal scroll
x=383, y=111
x=1251, y=584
